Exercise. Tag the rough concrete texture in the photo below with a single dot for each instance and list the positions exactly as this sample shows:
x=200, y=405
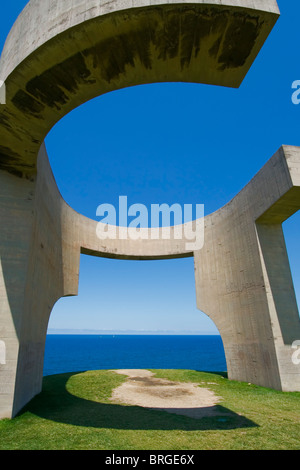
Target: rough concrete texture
x=86, y=48
x=89, y=47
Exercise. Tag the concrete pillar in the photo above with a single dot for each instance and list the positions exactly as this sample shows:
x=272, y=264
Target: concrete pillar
x=34, y=274
x=243, y=278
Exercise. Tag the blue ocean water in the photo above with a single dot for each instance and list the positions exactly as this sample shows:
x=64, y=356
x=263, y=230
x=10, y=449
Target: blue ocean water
x=74, y=353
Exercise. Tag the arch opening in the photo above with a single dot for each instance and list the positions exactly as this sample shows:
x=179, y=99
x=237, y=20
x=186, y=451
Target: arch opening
x=117, y=322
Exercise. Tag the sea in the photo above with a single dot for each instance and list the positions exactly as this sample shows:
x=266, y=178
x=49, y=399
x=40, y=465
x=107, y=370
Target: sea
x=78, y=353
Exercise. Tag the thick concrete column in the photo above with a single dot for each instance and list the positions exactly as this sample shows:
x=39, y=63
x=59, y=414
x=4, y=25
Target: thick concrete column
x=243, y=278
x=16, y=207
x=38, y=267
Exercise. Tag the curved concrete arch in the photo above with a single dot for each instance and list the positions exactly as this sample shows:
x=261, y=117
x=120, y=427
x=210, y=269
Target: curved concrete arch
x=87, y=48
x=26, y=36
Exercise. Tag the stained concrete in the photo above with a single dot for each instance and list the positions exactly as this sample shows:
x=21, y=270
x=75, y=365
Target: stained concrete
x=90, y=47
x=86, y=48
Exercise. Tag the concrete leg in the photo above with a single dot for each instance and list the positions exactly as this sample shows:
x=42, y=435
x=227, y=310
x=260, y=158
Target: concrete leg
x=243, y=277
x=230, y=293
x=16, y=215
x=34, y=259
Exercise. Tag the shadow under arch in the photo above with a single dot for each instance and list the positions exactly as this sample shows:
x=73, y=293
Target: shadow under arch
x=57, y=404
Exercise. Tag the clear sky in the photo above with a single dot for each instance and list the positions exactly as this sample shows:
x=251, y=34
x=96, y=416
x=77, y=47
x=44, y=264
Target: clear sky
x=169, y=143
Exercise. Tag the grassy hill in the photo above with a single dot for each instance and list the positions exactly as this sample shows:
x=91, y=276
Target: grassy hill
x=74, y=412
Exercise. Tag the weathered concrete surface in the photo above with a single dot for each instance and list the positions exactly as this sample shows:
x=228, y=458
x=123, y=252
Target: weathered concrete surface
x=87, y=48
x=243, y=276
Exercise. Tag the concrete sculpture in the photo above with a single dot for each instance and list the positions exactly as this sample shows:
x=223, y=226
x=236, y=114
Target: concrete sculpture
x=90, y=47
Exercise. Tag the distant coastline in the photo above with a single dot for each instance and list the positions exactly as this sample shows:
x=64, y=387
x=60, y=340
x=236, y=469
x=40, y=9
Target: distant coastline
x=54, y=331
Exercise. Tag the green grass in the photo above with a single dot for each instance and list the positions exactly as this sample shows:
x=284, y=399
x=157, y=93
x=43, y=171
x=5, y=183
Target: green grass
x=73, y=412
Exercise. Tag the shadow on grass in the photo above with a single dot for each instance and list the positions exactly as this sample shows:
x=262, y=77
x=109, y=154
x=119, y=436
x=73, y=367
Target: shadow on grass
x=56, y=404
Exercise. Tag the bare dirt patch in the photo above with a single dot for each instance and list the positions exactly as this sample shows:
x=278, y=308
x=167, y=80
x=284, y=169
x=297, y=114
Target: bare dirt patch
x=143, y=389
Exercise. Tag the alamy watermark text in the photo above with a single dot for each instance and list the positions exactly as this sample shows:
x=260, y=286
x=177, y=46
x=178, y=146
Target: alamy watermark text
x=135, y=221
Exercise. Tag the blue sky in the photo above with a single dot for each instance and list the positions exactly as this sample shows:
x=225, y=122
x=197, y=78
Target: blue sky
x=170, y=143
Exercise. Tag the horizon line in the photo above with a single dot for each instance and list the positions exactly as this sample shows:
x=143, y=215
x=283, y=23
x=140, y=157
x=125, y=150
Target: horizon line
x=58, y=331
